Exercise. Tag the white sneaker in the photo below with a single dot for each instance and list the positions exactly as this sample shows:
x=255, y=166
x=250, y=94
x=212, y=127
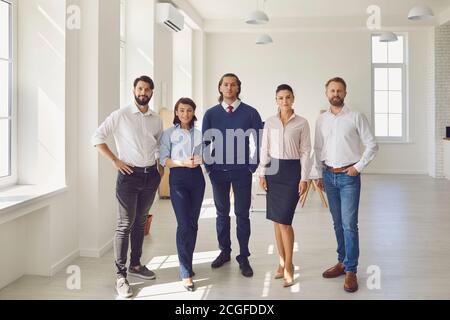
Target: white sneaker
x=123, y=288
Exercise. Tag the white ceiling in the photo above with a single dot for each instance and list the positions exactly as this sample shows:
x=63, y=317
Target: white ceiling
x=239, y=9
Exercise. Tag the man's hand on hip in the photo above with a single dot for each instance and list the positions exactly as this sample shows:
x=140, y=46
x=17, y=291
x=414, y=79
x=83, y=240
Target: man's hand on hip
x=352, y=172
x=123, y=167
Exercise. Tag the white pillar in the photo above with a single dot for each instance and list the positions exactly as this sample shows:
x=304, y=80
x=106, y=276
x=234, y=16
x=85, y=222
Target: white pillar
x=99, y=95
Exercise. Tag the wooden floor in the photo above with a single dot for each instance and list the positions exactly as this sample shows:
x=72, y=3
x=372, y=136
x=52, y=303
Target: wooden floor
x=404, y=231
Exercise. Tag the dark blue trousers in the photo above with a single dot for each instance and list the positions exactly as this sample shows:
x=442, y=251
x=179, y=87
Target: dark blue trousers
x=241, y=180
x=187, y=188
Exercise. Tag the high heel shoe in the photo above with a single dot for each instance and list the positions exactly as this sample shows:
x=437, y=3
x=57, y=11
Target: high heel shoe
x=189, y=287
x=289, y=283
x=280, y=275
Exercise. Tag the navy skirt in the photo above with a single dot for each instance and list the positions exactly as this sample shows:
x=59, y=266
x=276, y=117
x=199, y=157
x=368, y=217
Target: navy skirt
x=282, y=191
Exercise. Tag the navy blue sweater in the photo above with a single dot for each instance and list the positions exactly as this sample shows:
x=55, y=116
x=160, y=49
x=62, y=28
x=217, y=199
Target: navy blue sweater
x=232, y=152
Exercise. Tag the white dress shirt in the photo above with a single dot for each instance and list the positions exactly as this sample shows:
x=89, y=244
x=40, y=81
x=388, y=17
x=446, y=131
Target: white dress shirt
x=235, y=105
x=338, y=140
x=288, y=142
x=136, y=135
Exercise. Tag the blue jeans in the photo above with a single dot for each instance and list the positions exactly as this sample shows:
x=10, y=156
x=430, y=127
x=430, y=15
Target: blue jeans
x=343, y=193
x=187, y=188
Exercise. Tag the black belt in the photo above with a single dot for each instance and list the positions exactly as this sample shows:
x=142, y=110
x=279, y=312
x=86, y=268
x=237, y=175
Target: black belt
x=144, y=169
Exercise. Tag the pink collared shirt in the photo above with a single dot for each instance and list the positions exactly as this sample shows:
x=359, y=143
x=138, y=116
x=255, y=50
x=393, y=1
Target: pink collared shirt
x=288, y=142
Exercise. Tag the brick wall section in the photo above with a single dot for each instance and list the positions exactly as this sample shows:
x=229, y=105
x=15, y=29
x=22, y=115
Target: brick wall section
x=431, y=105
x=442, y=92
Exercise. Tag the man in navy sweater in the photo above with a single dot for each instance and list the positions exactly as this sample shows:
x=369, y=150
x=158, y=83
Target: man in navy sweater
x=227, y=128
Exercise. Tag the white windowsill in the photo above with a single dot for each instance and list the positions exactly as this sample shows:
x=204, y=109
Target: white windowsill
x=395, y=142
x=19, y=196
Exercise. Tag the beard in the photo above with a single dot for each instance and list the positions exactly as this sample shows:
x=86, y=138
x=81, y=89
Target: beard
x=142, y=100
x=337, y=102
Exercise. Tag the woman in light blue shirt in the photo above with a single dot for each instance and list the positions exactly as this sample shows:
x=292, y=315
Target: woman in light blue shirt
x=181, y=150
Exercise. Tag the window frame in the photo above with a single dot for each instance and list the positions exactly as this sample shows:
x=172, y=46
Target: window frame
x=12, y=178
x=405, y=90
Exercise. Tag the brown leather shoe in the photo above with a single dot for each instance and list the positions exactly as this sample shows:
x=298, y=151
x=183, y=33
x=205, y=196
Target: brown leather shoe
x=334, y=272
x=351, y=282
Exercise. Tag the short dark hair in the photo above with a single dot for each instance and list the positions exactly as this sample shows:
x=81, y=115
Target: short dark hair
x=287, y=87
x=221, y=81
x=187, y=101
x=336, y=79
x=146, y=79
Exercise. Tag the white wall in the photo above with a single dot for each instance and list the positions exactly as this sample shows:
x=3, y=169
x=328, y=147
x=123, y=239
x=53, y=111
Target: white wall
x=444, y=17
x=140, y=19
x=199, y=57
x=182, y=64
x=163, y=70
x=306, y=60
x=41, y=94
x=44, y=239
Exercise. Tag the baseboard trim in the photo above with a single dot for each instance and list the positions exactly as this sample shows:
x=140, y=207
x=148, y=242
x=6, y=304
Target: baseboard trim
x=106, y=247
x=61, y=264
x=97, y=253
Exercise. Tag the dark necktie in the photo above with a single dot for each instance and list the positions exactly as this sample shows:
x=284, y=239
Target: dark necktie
x=230, y=109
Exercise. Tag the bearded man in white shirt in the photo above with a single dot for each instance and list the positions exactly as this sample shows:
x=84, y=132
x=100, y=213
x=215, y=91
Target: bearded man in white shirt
x=137, y=131
x=339, y=134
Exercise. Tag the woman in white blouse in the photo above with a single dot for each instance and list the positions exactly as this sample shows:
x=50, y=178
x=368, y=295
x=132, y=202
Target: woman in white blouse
x=284, y=171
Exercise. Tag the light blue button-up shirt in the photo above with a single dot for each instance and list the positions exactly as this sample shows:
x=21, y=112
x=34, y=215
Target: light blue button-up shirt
x=180, y=144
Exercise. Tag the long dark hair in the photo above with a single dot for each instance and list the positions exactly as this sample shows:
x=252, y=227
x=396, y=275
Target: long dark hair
x=187, y=101
x=221, y=81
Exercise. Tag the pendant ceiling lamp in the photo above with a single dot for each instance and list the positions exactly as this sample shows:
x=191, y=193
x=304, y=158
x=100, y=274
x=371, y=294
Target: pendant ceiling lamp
x=420, y=13
x=264, y=39
x=388, y=36
x=257, y=17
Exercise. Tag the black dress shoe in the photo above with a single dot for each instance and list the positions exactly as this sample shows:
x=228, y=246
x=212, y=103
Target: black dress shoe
x=220, y=260
x=246, y=269
x=190, y=287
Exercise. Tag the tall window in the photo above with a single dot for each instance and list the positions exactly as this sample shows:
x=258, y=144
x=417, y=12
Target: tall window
x=5, y=90
x=389, y=101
